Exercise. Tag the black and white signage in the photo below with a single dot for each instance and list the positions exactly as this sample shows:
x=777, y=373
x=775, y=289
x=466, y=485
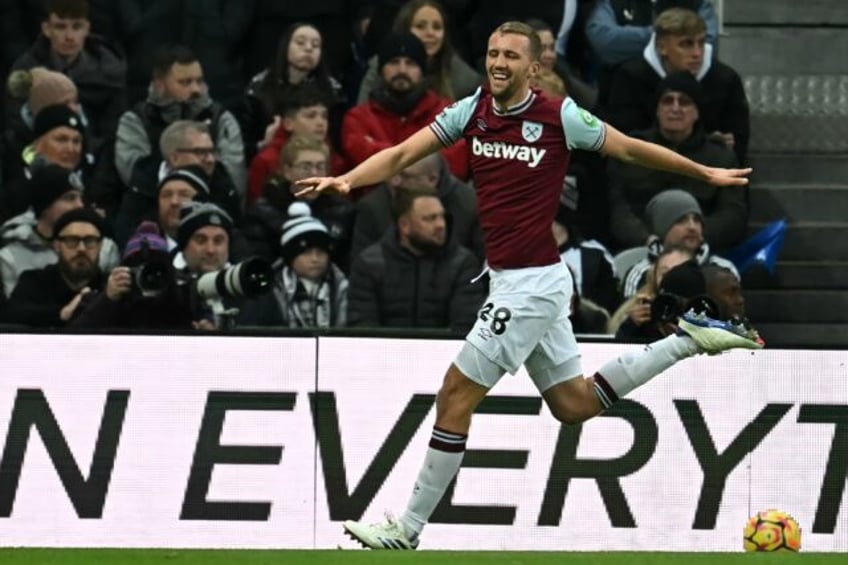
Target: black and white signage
x=271, y=443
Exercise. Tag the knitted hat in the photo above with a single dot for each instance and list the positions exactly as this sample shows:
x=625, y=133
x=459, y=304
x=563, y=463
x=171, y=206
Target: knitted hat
x=667, y=207
x=41, y=87
x=195, y=215
x=54, y=116
x=146, y=236
x=402, y=45
x=301, y=232
x=194, y=175
x=48, y=183
x=48, y=88
x=684, y=82
x=85, y=215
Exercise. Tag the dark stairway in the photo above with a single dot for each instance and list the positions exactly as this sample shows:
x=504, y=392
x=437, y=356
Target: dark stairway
x=789, y=54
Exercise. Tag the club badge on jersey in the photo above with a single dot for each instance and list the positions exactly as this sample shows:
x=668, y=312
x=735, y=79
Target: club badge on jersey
x=531, y=131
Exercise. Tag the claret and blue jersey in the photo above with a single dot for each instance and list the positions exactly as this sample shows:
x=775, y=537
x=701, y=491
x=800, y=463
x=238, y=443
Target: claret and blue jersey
x=518, y=159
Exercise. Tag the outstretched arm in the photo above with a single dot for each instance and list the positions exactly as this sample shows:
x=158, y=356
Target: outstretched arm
x=379, y=167
x=651, y=155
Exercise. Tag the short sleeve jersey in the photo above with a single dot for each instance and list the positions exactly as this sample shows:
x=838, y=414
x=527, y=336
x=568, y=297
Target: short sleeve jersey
x=518, y=159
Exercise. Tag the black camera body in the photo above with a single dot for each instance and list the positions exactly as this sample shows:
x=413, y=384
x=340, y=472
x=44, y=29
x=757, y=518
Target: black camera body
x=151, y=278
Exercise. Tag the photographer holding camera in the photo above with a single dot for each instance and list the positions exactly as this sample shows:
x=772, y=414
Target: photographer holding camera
x=681, y=289
x=218, y=289
x=142, y=292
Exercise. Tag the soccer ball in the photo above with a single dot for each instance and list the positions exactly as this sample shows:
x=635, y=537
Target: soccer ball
x=772, y=530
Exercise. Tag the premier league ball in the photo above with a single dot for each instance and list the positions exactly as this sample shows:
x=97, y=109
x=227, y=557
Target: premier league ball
x=772, y=530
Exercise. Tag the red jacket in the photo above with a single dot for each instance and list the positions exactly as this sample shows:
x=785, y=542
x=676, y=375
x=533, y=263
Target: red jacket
x=266, y=161
x=368, y=128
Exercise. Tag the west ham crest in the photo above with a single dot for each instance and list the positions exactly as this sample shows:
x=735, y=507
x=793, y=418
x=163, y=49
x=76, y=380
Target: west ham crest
x=531, y=131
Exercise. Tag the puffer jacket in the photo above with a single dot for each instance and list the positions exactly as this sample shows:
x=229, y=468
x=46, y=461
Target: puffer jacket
x=391, y=287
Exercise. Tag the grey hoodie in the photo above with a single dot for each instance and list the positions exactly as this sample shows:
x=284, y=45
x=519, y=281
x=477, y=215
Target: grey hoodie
x=23, y=249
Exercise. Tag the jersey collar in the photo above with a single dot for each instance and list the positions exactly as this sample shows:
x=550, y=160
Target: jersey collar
x=517, y=108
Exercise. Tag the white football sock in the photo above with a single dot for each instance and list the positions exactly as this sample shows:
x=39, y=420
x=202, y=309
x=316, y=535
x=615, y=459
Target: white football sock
x=633, y=369
x=439, y=468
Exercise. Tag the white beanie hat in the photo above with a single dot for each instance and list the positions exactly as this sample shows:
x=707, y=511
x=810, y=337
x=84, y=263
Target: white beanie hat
x=302, y=231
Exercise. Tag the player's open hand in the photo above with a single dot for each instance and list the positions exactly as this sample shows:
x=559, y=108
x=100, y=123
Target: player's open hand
x=727, y=177
x=316, y=185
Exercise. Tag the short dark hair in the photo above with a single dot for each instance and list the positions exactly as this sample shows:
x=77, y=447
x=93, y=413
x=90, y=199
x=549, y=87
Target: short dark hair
x=304, y=96
x=169, y=55
x=404, y=199
x=521, y=28
x=67, y=8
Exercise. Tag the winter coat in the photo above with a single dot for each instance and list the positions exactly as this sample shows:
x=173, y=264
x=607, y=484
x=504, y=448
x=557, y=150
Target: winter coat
x=391, y=287
x=137, y=145
x=632, y=187
x=374, y=215
x=141, y=201
x=463, y=79
x=290, y=305
x=632, y=103
x=23, y=249
x=638, y=273
x=368, y=128
x=262, y=223
x=265, y=164
x=100, y=76
x=40, y=296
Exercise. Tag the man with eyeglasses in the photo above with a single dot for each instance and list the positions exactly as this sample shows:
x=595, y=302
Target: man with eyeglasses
x=678, y=126
x=303, y=156
x=679, y=44
x=178, y=91
x=26, y=239
x=51, y=296
x=184, y=143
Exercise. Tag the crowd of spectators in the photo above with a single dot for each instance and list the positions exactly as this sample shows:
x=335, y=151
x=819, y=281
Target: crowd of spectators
x=169, y=133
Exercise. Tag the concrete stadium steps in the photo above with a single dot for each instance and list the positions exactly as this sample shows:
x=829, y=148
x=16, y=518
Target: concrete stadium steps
x=790, y=51
x=797, y=202
x=804, y=241
x=797, y=306
x=789, y=54
x=791, y=275
x=807, y=169
x=785, y=12
x=816, y=336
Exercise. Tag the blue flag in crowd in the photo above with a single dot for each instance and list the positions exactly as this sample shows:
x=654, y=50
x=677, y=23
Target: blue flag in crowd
x=762, y=248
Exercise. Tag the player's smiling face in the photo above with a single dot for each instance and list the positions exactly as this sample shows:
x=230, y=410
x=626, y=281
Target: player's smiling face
x=509, y=67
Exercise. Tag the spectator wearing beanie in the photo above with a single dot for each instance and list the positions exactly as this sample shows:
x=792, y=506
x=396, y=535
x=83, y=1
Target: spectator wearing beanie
x=203, y=238
x=58, y=139
x=400, y=104
x=677, y=126
x=30, y=91
x=123, y=304
x=95, y=66
x=676, y=220
x=309, y=290
x=26, y=238
x=177, y=187
x=631, y=102
x=51, y=296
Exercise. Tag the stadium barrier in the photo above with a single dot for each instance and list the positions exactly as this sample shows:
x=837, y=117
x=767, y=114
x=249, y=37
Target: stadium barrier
x=258, y=442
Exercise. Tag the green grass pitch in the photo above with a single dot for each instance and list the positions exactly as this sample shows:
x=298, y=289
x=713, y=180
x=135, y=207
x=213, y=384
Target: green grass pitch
x=354, y=557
